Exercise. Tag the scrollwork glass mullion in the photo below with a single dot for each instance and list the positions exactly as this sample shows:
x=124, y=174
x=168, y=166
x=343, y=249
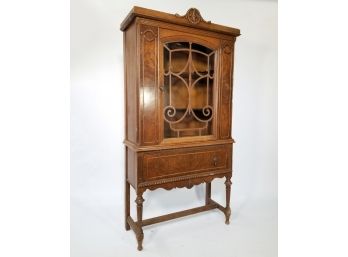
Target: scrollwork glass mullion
x=190, y=77
x=190, y=82
x=170, y=77
x=208, y=72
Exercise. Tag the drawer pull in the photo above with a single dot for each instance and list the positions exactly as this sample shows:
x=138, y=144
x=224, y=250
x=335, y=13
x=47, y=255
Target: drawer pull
x=215, y=161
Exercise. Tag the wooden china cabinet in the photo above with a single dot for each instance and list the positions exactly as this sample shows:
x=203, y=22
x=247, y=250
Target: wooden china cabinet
x=178, y=107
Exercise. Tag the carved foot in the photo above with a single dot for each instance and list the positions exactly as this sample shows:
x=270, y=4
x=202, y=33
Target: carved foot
x=227, y=215
x=227, y=211
x=127, y=226
x=126, y=205
x=140, y=237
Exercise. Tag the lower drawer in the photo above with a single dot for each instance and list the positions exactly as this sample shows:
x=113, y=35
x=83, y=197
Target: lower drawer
x=178, y=162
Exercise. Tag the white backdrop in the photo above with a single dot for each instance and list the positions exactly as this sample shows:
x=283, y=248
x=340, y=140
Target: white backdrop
x=97, y=129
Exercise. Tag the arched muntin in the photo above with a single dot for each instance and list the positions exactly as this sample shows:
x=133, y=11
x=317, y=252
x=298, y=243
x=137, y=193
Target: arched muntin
x=189, y=71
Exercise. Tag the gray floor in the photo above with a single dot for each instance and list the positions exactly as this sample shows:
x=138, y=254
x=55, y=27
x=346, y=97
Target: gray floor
x=97, y=228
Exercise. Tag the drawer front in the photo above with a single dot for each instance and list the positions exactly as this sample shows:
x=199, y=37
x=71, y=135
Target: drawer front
x=168, y=163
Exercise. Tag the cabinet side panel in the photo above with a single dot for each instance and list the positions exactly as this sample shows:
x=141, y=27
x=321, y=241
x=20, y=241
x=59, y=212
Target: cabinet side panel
x=225, y=101
x=148, y=84
x=131, y=167
x=130, y=59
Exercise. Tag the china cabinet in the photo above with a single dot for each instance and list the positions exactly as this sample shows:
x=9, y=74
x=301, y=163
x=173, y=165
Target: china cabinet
x=178, y=107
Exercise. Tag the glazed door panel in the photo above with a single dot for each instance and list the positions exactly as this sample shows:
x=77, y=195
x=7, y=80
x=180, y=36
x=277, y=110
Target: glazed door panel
x=188, y=85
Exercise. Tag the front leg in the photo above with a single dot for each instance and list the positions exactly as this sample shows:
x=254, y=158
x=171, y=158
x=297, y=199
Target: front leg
x=139, y=233
x=127, y=204
x=207, y=193
x=227, y=212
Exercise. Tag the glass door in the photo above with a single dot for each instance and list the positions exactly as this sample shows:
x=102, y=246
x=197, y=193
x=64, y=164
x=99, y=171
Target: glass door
x=188, y=101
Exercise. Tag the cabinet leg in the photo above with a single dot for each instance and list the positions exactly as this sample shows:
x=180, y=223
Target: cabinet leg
x=207, y=193
x=139, y=234
x=127, y=204
x=228, y=184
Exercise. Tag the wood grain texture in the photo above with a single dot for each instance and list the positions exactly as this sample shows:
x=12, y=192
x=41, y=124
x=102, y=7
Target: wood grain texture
x=225, y=101
x=131, y=167
x=152, y=160
x=131, y=84
x=148, y=84
x=174, y=163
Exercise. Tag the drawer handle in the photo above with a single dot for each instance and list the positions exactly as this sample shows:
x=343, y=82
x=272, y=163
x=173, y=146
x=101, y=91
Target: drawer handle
x=215, y=161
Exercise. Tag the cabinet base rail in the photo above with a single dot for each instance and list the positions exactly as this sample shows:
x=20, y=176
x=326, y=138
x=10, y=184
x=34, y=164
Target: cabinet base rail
x=137, y=226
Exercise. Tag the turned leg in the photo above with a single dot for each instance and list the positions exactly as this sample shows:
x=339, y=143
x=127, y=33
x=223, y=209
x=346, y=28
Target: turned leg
x=228, y=184
x=207, y=193
x=126, y=204
x=139, y=234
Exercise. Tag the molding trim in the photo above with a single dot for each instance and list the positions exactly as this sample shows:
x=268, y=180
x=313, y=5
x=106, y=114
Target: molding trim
x=183, y=178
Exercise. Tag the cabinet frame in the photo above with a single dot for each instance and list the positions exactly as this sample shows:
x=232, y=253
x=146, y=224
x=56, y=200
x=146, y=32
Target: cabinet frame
x=146, y=150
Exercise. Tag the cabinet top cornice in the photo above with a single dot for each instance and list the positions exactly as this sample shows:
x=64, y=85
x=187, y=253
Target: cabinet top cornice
x=192, y=18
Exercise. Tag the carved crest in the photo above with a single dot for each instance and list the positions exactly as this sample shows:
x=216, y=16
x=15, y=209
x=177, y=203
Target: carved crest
x=193, y=16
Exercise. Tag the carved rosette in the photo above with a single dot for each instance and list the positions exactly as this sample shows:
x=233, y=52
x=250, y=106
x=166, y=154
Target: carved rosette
x=193, y=16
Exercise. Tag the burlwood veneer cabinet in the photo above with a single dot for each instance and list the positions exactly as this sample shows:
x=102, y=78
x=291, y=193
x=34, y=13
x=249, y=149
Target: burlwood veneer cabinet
x=178, y=107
